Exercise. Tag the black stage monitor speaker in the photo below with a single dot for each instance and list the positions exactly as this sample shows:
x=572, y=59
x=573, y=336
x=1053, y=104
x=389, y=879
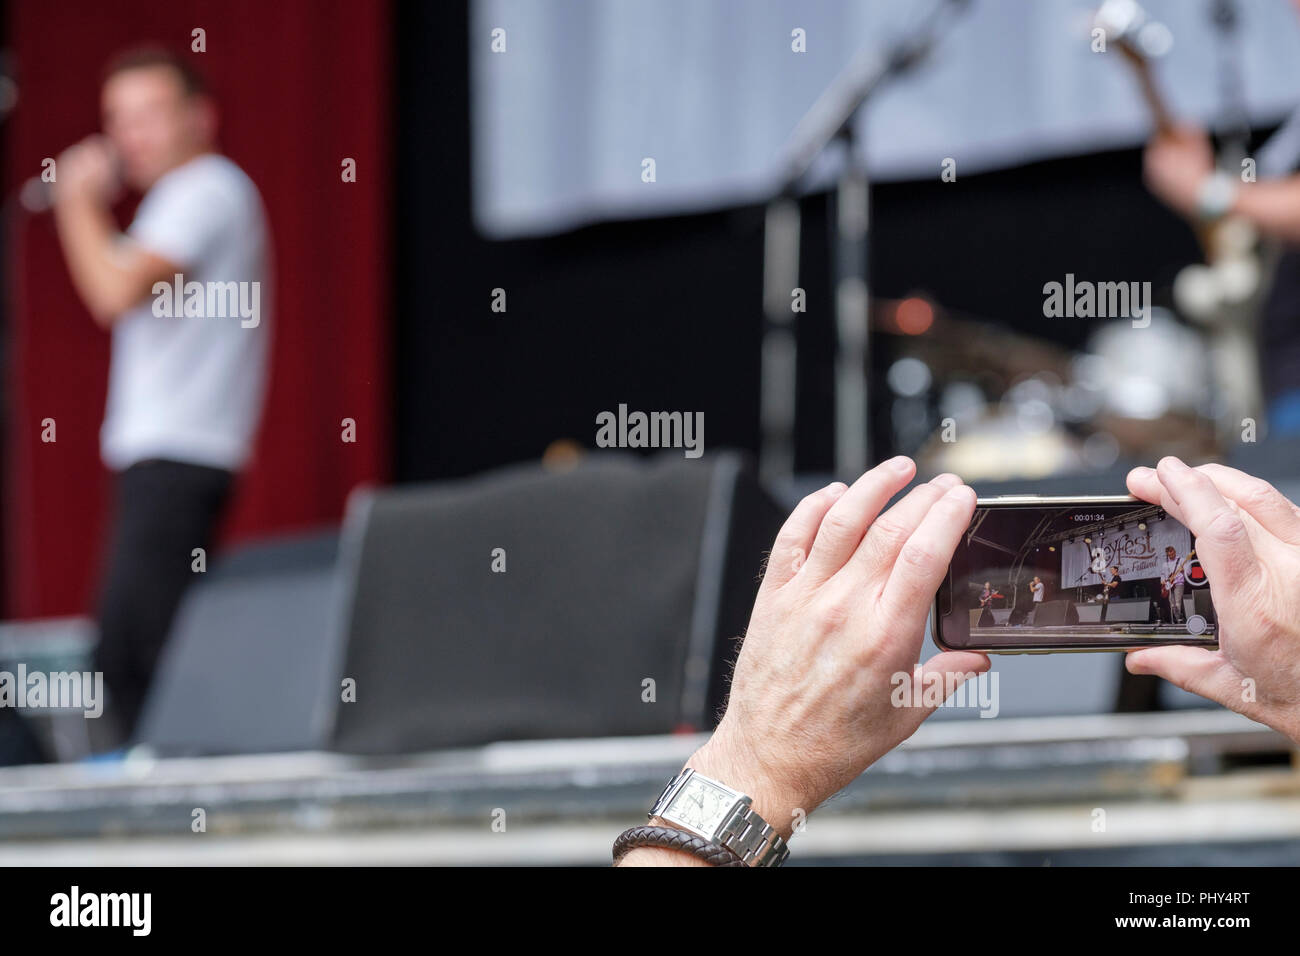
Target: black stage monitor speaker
x=1203, y=603
x=532, y=604
x=250, y=664
x=1054, y=613
x=1129, y=610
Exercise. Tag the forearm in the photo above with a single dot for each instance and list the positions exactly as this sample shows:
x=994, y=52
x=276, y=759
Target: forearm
x=1272, y=206
x=89, y=238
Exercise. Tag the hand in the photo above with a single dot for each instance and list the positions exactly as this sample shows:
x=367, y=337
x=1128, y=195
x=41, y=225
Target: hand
x=1248, y=542
x=840, y=612
x=1175, y=165
x=86, y=171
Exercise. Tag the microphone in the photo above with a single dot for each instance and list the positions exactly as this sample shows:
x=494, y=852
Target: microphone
x=36, y=195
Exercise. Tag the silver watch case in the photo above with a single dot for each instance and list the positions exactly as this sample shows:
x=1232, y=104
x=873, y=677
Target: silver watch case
x=740, y=829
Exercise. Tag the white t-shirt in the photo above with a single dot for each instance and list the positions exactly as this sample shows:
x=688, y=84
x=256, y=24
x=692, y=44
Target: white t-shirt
x=187, y=383
x=1037, y=590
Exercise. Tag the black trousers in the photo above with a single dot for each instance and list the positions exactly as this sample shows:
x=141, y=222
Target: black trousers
x=164, y=510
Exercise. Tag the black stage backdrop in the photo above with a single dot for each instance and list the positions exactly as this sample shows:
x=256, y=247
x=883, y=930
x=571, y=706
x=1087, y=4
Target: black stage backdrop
x=665, y=313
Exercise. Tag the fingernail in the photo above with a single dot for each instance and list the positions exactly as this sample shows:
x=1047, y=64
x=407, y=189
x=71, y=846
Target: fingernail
x=958, y=493
x=901, y=463
x=835, y=489
x=946, y=480
x=1174, y=464
x=1142, y=471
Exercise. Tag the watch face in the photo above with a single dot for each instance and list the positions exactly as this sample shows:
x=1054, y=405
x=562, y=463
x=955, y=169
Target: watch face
x=701, y=805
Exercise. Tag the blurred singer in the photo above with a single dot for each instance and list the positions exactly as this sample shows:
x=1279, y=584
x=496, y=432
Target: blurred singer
x=182, y=293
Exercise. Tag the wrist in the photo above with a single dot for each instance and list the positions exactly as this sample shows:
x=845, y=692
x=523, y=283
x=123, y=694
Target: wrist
x=659, y=856
x=72, y=200
x=1216, y=195
x=728, y=762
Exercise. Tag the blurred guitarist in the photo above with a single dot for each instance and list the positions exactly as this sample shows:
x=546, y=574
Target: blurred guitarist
x=1179, y=169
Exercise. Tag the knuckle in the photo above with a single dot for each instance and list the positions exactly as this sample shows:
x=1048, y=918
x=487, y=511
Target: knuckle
x=831, y=614
x=1226, y=527
x=889, y=530
x=837, y=525
x=1260, y=492
x=917, y=556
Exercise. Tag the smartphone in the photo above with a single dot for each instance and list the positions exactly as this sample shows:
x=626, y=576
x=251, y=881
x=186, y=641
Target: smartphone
x=1036, y=575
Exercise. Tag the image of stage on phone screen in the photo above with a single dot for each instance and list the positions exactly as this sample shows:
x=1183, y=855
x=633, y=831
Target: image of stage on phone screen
x=1075, y=576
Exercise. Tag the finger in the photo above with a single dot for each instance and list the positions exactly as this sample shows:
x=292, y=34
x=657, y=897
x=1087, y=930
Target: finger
x=1145, y=484
x=888, y=533
x=935, y=681
x=1222, y=565
x=842, y=529
x=954, y=668
x=1187, y=133
x=923, y=560
x=1275, y=512
x=1196, y=669
x=796, y=536
x=1222, y=541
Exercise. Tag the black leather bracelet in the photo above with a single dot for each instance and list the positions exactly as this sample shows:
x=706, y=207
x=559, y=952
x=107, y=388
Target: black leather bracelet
x=669, y=838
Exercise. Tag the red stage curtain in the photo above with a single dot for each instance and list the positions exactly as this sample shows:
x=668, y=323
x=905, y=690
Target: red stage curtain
x=301, y=85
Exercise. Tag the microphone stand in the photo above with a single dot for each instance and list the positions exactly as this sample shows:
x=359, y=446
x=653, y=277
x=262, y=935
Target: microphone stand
x=832, y=119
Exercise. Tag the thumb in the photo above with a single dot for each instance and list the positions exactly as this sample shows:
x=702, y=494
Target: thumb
x=1199, y=670
x=942, y=674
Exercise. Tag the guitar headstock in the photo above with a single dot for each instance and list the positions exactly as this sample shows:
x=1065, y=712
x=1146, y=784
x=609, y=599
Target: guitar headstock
x=1135, y=34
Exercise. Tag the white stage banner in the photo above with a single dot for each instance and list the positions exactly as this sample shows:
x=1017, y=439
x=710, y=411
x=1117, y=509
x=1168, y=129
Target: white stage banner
x=1139, y=554
x=571, y=98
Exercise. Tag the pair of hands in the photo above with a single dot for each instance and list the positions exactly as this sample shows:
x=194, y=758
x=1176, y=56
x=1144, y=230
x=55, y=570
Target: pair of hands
x=842, y=609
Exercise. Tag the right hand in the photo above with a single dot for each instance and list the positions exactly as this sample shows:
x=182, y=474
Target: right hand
x=839, y=617
x=87, y=171
x=1248, y=541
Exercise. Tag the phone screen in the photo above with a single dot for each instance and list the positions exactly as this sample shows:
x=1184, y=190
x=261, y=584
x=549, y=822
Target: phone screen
x=1062, y=574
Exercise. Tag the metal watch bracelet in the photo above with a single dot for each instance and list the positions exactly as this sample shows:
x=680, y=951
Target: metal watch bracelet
x=743, y=831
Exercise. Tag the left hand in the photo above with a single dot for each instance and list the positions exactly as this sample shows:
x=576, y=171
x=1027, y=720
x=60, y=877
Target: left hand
x=86, y=170
x=1176, y=164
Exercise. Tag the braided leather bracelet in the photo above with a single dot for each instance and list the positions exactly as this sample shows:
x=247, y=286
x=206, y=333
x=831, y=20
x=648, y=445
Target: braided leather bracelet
x=672, y=839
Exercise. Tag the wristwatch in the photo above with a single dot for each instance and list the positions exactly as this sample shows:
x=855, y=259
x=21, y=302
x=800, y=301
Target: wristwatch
x=714, y=811
x=1216, y=194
